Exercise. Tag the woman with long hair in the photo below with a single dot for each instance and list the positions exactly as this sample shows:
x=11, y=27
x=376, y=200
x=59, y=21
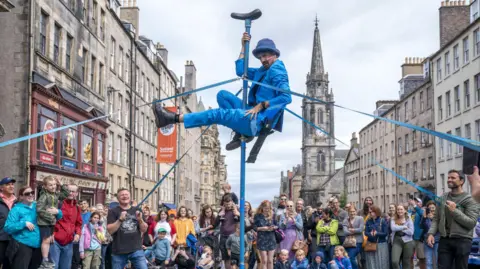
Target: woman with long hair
x=207, y=222
x=292, y=224
x=163, y=222
x=266, y=244
x=24, y=247
x=184, y=226
x=91, y=240
x=376, y=231
x=402, y=238
x=353, y=227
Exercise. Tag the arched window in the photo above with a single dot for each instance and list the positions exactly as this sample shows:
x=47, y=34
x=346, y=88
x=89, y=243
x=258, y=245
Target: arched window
x=320, y=116
x=321, y=164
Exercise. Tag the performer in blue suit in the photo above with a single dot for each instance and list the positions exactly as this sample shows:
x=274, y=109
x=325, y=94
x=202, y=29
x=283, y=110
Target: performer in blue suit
x=265, y=106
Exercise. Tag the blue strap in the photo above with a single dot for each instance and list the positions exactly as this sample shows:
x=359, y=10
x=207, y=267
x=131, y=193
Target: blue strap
x=469, y=143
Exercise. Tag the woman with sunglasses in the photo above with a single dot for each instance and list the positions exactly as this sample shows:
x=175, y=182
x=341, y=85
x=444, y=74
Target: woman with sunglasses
x=292, y=224
x=24, y=250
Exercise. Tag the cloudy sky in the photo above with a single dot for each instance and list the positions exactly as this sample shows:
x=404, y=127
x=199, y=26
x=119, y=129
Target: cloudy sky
x=364, y=43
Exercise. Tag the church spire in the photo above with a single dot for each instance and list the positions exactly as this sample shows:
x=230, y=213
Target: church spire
x=317, y=57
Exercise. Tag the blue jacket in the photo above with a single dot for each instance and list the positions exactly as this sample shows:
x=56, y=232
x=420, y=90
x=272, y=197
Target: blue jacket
x=343, y=263
x=16, y=224
x=380, y=226
x=418, y=229
x=300, y=265
x=276, y=76
x=161, y=249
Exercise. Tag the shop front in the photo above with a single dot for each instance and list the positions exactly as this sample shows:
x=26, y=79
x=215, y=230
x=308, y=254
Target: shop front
x=74, y=155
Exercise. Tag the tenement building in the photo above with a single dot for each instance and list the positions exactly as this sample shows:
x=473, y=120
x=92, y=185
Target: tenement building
x=70, y=61
x=456, y=83
x=415, y=159
x=377, y=146
x=352, y=173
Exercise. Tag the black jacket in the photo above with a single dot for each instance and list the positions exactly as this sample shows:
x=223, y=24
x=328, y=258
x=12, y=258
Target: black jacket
x=312, y=224
x=281, y=265
x=4, y=210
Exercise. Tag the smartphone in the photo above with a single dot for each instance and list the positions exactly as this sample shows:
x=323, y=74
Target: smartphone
x=471, y=158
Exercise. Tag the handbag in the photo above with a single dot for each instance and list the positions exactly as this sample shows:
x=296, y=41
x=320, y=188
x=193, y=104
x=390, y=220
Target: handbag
x=279, y=236
x=372, y=246
x=351, y=240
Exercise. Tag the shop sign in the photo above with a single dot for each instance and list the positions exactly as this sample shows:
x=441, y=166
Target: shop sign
x=46, y=158
x=83, y=183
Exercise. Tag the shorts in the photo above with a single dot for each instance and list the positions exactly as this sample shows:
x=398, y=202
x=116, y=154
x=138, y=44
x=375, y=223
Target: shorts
x=223, y=248
x=235, y=259
x=419, y=249
x=46, y=231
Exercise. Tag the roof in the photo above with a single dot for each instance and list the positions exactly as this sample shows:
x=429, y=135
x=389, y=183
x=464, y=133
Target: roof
x=341, y=153
x=455, y=39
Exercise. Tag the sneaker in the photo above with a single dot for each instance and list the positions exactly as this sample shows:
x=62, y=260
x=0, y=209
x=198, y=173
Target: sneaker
x=237, y=142
x=163, y=117
x=47, y=265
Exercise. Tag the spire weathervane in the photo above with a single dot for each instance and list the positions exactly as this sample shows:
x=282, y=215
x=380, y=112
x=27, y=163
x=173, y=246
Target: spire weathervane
x=316, y=20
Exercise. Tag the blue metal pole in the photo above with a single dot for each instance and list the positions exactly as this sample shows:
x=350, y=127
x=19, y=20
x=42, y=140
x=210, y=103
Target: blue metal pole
x=248, y=24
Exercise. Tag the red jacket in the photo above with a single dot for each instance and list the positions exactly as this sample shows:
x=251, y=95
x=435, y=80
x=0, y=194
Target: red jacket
x=70, y=224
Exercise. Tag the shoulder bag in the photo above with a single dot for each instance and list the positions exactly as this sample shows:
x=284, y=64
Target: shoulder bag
x=351, y=240
x=372, y=246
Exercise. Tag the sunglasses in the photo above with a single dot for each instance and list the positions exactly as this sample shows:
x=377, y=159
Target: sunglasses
x=289, y=205
x=28, y=193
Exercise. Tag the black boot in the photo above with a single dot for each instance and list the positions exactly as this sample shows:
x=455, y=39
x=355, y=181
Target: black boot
x=236, y=141
x=163, y=117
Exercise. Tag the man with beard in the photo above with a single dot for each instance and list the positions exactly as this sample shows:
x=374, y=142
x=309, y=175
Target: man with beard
x=281, y=207
x=455, y=219
x=367, y=203
x=265, y=106
x=300, y=210
x=340, y=215
x=7, y=199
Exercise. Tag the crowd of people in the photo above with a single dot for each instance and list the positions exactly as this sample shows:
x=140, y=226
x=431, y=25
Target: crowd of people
x=57, y=231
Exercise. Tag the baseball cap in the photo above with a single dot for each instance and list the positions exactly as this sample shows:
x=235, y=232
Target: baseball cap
x=162, y=230
x=7, y=180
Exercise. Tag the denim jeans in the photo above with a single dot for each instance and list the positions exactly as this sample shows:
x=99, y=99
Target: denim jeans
x=137, y=259
x=327, y=253
x=352, y=254
x=431, y=254
x=61, y=255
x=104, y=251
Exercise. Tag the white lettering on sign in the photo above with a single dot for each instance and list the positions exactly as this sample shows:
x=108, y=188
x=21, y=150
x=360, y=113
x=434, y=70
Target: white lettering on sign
x=84, y=183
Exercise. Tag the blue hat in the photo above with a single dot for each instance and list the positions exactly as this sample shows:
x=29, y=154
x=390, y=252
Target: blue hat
x=265, y=45
x=319, y=254
x=7, y=180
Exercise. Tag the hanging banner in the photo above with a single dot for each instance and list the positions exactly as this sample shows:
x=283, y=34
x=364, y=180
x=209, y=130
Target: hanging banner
x=167, y=142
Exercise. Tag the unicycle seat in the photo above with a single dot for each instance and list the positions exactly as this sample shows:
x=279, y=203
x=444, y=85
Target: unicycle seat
x=247, y=16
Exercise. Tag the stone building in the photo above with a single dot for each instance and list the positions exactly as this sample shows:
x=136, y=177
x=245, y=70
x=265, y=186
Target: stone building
x=352, y=172
x=377, y=145
x=318, y=149
x=213, y=169
x=189, y=167
x=291, y=182
x=79, y=64
x=455, y=72
x=415, y=152
x=6, y=5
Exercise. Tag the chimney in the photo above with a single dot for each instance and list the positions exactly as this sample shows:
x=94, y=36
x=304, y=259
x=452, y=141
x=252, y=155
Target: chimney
x=163, y=52
x=454, y=17
x=190, y=76
x=412, y=66
x=130, y=12
x=353, y=141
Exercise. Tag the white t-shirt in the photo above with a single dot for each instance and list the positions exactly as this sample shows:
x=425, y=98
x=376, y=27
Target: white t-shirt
x=165, y=225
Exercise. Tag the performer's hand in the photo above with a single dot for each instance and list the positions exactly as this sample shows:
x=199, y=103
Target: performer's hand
x=245, y=37
x=254, y=111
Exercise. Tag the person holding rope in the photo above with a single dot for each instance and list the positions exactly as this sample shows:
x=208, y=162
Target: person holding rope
x=265, y=106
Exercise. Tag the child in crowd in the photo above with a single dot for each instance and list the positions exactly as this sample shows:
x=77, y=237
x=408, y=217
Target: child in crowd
x=161, y=248
x=227, y=192
x=282, y=262
x=317, y=262
x=91, y=241
x=300, y=261
x=341, y=260
x=206, y=260
x=233, y=247
x=47, y=214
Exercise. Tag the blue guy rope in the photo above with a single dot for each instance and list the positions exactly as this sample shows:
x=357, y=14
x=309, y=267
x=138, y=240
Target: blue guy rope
x=469, y=143
x=437, y=199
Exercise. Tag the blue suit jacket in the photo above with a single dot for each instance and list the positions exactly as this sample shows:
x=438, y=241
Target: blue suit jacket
x=275, y=76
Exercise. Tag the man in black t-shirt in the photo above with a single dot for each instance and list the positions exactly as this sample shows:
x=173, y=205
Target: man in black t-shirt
x=126, y=226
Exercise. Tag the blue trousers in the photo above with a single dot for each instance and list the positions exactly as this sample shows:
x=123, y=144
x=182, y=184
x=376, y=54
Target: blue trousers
x=61, y=255
x=137, y=259
x=229, y=114
x=352, y=254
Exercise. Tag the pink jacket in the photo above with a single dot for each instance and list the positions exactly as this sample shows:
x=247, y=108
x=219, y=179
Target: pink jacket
x=86, y=237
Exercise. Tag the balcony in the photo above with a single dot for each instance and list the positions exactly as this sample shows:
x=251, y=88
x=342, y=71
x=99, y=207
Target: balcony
x=6, y=6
